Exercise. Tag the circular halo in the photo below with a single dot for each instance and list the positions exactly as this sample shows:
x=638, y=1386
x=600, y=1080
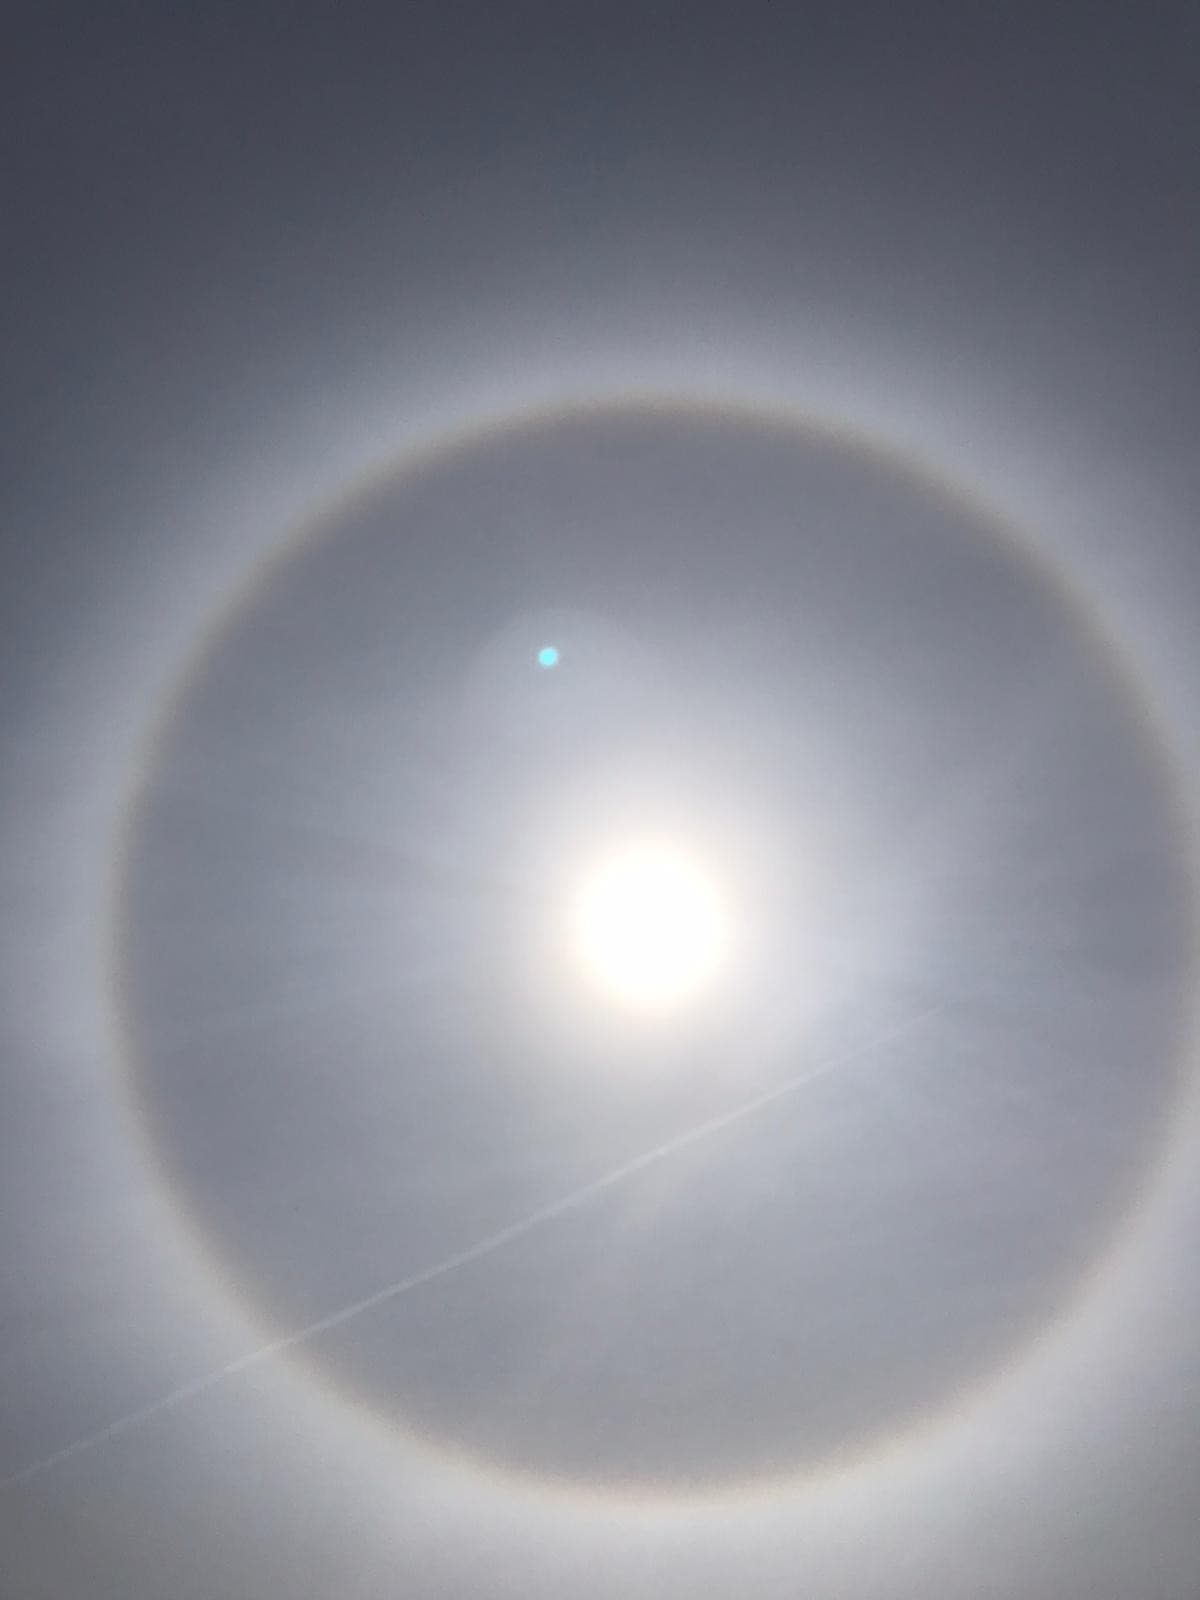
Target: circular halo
x=1072, y=598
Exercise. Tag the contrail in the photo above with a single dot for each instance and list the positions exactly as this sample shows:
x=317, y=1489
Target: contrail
x=461, y=1258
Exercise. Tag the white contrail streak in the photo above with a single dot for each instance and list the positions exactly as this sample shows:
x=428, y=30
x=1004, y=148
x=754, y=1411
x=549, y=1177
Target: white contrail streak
x=462, y=1258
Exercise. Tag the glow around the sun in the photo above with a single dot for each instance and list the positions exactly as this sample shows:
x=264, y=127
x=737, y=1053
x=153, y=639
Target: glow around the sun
x=648, y=926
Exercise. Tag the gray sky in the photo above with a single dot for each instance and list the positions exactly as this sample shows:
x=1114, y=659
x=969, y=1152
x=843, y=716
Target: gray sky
x=824, y=391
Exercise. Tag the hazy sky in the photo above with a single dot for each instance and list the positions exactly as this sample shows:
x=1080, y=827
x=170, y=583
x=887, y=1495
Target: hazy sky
x=821, y=385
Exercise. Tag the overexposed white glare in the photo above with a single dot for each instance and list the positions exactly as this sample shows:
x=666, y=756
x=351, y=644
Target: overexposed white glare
x=648, y=926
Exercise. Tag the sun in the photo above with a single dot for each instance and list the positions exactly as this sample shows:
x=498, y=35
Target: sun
x=648, y=926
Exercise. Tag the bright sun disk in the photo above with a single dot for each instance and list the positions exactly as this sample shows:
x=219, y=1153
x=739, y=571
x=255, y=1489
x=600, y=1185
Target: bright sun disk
x=649, y=927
